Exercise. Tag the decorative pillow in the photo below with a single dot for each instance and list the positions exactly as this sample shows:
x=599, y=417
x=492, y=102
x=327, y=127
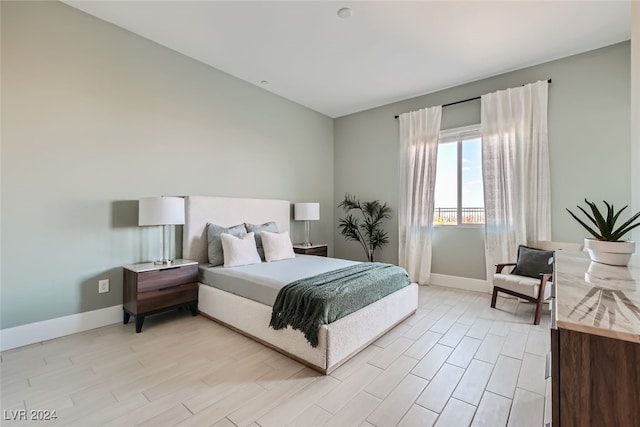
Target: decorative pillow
x=258, y=229
x=239, y=250
x=277, y=246
x=214, y=244
x=531, y=262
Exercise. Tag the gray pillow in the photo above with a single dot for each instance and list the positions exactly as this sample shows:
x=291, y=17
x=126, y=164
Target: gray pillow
x=532, y=262
x=257, y=228
x=214, y=244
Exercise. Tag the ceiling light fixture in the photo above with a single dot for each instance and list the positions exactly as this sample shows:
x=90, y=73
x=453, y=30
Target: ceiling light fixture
x=345, y=13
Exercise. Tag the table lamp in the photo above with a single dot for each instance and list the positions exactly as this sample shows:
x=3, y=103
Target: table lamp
x=164, y=211
x=306, y=212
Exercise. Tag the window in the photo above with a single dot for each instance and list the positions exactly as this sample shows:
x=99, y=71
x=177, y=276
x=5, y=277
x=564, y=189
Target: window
x=459, y=197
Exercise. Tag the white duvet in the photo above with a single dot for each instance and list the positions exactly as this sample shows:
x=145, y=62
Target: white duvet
x=262, y=282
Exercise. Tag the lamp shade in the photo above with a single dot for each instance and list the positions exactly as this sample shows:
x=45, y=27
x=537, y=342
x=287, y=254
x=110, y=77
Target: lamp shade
x=161, y=211
x=306, y=211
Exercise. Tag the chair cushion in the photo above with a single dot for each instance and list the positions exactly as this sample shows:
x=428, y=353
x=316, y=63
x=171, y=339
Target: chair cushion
x=532, y=262
x=520, y=284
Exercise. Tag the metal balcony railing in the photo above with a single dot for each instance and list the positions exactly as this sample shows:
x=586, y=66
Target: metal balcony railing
x=449, y=216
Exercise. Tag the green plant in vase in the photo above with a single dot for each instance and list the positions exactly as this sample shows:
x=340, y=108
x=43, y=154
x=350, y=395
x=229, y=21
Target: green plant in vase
x=607, y=246
x=366, y=230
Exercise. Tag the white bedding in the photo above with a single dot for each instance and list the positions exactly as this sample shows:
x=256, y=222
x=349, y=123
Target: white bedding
x=262, y=282
x=338, y=341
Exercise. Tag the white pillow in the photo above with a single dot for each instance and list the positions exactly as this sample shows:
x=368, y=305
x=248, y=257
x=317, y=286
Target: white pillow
x=239, y=250
x=277, y=246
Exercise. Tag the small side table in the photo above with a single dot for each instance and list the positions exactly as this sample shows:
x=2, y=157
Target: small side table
x=149, y=288
x=319, y=250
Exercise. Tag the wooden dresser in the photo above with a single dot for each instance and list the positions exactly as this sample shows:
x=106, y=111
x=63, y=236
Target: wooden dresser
x=595, y=343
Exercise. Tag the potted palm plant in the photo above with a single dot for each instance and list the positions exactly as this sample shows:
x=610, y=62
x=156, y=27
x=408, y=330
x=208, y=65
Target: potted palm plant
x=606, y=246
x=368, y=233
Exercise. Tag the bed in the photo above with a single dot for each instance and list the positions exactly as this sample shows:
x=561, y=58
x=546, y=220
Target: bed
x=337, y=341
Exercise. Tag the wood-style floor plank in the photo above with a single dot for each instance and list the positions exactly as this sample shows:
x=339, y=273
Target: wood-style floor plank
x=356, y=412
x=384, y=383
x=473, y=382
x=464, y=352
x=490, y=348
x=437, y=393
x=394, y=406
x=433, y=360
x=504, y=377
x=492, y=411
x=527, y=409
x=418, y=416
x=456, y=362
x=348, y=388
x=456, y=414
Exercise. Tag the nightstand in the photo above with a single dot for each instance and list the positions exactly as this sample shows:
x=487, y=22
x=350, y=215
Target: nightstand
x=150, y=288
x=319, y=250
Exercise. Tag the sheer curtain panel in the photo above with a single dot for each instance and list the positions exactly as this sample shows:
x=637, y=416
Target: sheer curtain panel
x=515, y=167
x=419, y=131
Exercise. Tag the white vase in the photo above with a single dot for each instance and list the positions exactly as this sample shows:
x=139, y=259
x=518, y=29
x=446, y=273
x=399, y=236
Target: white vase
x=611, y=253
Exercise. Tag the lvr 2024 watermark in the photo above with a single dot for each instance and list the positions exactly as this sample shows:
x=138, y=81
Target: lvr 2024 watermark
x=31, y=415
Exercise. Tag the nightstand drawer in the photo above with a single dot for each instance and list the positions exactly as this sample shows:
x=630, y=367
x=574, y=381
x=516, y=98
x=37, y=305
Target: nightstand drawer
x=167, y=297
x=167, y=277
x=318, y=250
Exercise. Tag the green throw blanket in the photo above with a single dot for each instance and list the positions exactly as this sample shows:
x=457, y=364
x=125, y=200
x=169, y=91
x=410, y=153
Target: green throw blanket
x=308, y=303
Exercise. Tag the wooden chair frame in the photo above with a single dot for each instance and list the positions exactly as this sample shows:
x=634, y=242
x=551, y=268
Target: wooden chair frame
x=539, y=300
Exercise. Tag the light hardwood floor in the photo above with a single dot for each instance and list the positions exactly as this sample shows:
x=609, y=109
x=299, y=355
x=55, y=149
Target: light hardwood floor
x=456, y=362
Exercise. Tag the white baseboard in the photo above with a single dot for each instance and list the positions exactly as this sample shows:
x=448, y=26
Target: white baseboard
x=31, y=333
x=465, y=283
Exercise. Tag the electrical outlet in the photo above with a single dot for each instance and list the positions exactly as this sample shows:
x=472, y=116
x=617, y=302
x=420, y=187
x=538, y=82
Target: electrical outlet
x=103, y=286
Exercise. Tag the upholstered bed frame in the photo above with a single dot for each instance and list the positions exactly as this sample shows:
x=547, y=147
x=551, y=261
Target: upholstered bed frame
x=338, y=341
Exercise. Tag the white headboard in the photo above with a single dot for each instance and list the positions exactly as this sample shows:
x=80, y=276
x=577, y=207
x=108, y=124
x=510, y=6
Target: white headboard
x=226, y=211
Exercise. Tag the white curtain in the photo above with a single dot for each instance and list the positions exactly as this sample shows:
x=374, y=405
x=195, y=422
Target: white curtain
x=419, y=131
x=515, y=169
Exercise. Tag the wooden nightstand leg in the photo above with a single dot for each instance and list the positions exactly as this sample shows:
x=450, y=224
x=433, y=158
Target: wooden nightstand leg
x=194, y=309
x=139, y=322
x=125, y=317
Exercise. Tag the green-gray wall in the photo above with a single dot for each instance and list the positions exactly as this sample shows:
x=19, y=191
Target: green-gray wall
x=589, y=139
x=95, y=117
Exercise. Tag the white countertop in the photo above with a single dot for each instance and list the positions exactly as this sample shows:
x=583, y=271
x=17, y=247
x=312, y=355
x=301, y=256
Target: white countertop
x=597, y=298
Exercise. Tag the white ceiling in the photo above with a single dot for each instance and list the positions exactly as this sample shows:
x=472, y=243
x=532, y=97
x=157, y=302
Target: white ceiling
x=387, y=51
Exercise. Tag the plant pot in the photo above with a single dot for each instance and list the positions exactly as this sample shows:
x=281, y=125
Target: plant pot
x=611, y=253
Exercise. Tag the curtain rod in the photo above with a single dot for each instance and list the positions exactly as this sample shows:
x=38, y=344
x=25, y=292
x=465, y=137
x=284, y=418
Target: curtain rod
x=466, y=100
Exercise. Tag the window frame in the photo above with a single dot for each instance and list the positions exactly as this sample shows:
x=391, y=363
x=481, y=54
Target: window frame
x=458, y=135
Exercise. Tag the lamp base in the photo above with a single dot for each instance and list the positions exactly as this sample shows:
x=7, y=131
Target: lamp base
x=306, y=244
x=166, y=245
